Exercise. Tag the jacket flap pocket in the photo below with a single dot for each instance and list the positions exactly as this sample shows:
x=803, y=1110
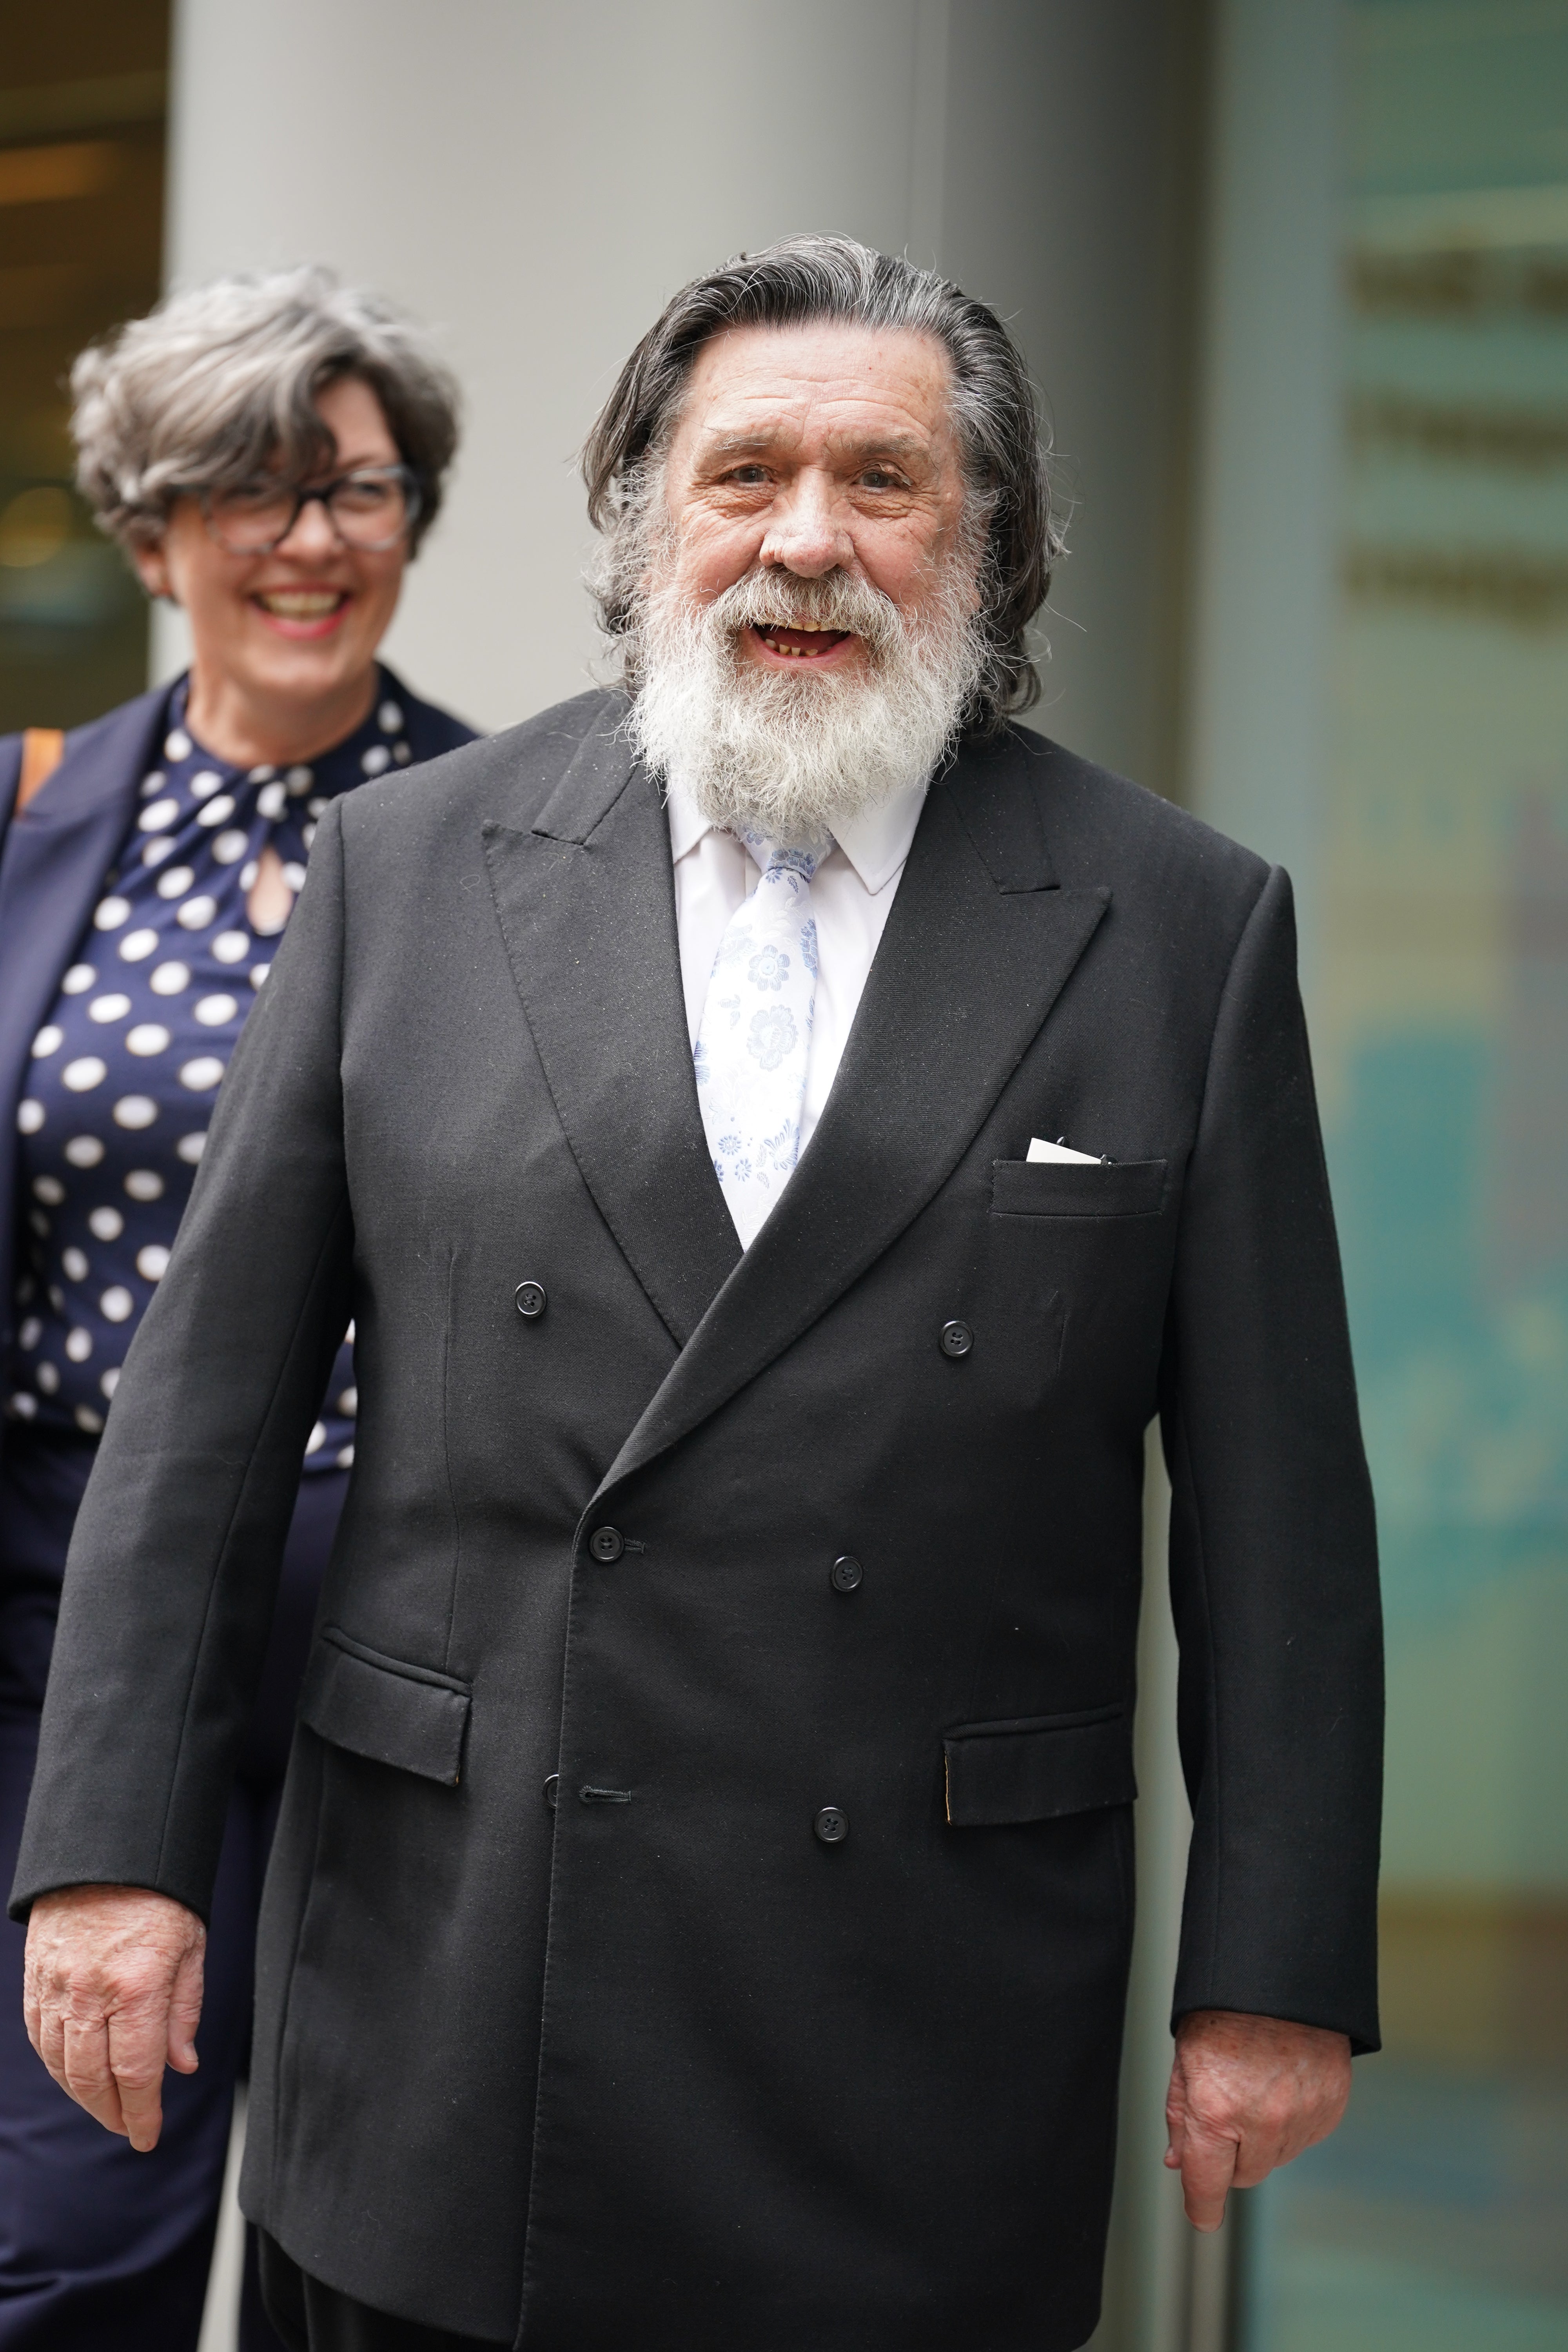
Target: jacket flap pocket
x=1035, y=1768
x=1058, y=1188
x=383, y=1709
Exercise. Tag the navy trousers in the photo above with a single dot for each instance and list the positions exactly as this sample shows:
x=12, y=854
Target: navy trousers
x=100, y=2246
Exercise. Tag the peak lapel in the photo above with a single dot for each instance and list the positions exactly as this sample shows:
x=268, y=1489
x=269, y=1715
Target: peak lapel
x=585, y=900
x=979, y=944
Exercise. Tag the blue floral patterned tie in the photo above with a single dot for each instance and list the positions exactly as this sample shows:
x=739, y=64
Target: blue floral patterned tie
x=755, y=1033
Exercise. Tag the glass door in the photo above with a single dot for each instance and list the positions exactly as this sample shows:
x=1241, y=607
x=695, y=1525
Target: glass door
x=1437, y=946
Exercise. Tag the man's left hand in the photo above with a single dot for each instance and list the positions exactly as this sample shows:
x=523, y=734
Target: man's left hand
x=1247, y=2094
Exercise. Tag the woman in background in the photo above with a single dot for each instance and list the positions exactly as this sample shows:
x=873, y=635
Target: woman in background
x=270, y=452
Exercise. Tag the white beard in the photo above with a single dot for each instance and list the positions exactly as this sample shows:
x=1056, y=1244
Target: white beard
x=790, y=752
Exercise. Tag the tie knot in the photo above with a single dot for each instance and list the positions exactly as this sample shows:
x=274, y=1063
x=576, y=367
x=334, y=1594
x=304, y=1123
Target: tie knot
x=781, y=857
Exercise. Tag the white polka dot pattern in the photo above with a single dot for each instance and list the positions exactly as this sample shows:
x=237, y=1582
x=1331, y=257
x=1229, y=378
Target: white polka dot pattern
x=125, y=1069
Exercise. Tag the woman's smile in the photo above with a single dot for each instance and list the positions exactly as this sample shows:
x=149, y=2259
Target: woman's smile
x=302, y=613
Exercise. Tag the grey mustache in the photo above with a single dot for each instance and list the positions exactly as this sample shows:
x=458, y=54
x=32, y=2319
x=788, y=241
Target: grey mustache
x=768, y=603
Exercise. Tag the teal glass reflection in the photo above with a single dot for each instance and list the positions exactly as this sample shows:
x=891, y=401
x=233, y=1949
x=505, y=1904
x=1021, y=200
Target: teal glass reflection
x=1437, y=2219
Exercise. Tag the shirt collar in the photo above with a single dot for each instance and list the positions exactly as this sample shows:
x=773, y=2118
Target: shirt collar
x=876, y=841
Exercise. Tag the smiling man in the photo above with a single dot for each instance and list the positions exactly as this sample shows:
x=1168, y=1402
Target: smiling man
x=782, y=1129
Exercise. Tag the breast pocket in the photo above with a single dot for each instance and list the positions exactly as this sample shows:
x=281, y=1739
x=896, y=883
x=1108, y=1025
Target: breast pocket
x=1055, y=1188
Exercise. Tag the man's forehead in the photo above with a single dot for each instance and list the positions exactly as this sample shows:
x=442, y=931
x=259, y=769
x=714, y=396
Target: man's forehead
x=852, y=383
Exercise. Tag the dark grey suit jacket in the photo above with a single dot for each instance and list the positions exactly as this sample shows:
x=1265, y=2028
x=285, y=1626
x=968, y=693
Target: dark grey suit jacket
x=660, y=2066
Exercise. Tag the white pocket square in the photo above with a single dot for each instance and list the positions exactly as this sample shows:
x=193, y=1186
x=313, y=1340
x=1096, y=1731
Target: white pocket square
x=1039, y=1150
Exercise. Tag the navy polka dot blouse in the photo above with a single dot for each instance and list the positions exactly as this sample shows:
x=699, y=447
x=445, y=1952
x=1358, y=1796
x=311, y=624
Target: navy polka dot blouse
x=124, y=1072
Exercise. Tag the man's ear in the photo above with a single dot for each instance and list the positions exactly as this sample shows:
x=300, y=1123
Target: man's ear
x=153, y=570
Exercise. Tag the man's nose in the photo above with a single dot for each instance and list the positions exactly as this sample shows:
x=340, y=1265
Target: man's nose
x=808, y=533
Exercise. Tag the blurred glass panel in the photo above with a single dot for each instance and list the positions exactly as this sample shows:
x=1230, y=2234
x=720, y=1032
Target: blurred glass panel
x=81, y=200
x=1438, y=2219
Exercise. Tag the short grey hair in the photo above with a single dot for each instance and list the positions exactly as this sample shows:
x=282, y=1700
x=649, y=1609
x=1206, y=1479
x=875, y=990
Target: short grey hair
x=795, y=283
x=215, y=383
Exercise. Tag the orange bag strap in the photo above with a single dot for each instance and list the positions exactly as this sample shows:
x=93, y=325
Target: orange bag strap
x=43, y=748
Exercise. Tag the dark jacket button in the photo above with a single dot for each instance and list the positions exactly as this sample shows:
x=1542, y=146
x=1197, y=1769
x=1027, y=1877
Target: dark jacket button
x=957, y=1339
x=845, y=1574
x=831, y=1825
x=552, y=1790
x=606, y=1544
x=530, y=1298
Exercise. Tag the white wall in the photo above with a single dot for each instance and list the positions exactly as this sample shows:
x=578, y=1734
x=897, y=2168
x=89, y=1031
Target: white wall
x=536, y=181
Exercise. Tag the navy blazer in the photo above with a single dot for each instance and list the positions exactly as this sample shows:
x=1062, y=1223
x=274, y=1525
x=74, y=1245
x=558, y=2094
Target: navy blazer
x=54, y=858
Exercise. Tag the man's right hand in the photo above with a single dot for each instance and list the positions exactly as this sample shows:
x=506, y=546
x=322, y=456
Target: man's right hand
x=113, y=1991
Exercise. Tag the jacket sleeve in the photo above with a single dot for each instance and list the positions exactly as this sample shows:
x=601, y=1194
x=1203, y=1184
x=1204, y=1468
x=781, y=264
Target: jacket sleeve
x=172, y=1569
x=1273, y=1543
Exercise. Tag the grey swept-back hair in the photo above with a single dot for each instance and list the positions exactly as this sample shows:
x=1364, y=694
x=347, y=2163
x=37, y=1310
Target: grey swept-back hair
x=214, y=384
x=796, y=283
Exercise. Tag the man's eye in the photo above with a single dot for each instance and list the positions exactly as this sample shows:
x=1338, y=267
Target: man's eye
x=748, y=477
x=878, y=478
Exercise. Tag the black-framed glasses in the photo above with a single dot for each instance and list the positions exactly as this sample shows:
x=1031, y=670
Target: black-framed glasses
x=372, y=509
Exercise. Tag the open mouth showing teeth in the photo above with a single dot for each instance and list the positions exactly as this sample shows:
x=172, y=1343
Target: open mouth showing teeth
x=802, y=639
x=302, y=603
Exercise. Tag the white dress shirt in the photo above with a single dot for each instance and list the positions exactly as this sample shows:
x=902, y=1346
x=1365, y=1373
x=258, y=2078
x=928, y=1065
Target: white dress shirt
x=852, y=895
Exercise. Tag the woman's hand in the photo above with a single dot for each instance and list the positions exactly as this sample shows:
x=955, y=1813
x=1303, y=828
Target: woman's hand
x=112, y=1991
x=1247, y=2094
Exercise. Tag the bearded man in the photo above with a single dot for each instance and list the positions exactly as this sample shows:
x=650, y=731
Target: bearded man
x=781, y=1129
